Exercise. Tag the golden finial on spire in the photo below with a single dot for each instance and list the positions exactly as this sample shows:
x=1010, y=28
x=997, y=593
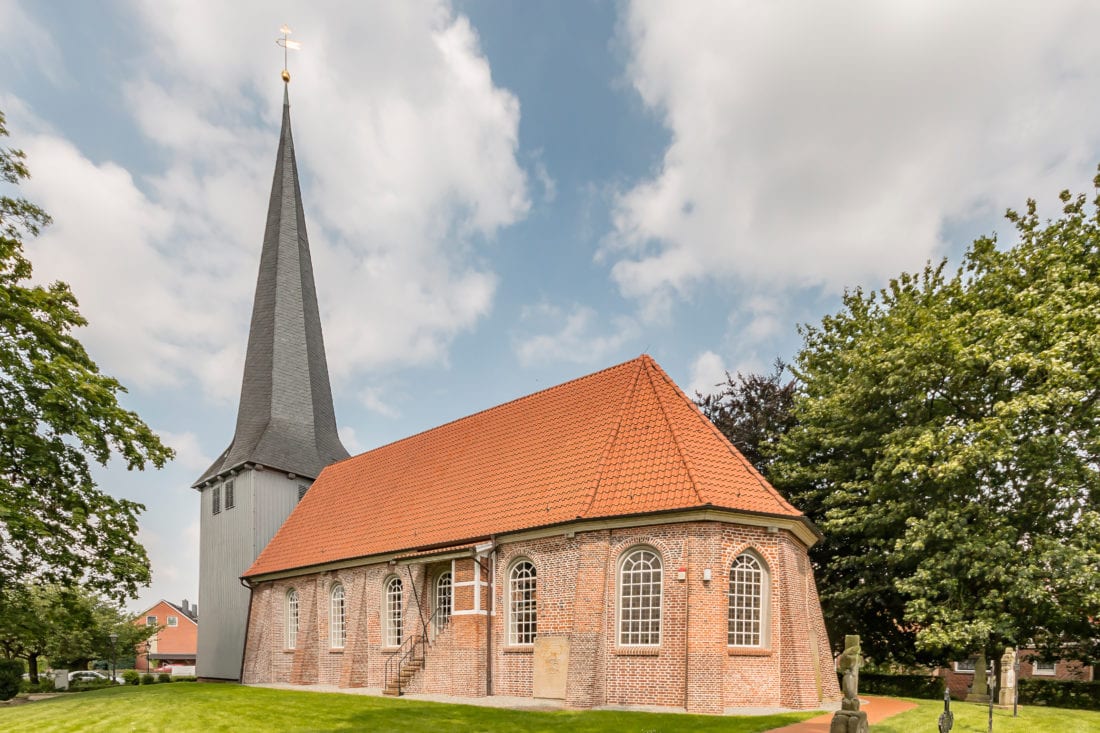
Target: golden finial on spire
x=287, y=44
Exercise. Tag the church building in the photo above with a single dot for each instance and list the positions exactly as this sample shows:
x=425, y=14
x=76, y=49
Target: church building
x=599, y=542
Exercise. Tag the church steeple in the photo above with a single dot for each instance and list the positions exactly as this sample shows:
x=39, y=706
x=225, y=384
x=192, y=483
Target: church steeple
x=285, y=420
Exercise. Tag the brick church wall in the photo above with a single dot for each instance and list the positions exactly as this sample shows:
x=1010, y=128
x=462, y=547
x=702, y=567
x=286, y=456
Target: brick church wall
x=577, y=580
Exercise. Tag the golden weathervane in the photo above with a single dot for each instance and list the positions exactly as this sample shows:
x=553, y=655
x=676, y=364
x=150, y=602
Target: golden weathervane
x=287, y=44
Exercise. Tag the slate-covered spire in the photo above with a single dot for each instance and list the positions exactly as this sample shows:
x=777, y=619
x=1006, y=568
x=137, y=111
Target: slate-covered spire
x=285, y=420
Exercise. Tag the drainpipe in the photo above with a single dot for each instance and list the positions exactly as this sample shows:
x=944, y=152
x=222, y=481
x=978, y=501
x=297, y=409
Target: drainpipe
x=487, y=549
x=247, y=620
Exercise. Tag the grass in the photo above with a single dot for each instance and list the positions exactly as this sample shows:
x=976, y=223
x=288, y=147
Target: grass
x=973, y=718
x=224, y=707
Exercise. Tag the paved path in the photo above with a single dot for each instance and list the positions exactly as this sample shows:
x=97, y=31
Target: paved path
x=878, y=708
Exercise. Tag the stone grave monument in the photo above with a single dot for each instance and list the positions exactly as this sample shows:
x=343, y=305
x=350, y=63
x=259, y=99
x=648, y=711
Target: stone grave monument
x=850, y=719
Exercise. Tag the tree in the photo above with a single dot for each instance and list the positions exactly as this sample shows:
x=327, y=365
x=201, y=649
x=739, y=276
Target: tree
x=69, y=626
x=753, y=412
x=58, y=413
x=948, y=445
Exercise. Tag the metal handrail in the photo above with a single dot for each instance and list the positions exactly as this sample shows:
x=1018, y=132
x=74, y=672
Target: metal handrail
x=415, y=643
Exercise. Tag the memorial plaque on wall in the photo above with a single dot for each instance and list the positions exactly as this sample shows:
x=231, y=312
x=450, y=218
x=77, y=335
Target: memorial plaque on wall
x=551, y=667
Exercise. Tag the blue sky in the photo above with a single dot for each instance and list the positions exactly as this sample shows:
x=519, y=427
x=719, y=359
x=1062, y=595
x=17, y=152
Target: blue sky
x=504, y=196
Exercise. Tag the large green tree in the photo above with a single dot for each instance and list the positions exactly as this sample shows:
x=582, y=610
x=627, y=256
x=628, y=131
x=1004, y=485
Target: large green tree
x=58, y=413
x=948, y=445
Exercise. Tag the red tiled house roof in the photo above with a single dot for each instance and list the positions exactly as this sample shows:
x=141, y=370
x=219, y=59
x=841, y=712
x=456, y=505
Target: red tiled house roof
x=623, y=441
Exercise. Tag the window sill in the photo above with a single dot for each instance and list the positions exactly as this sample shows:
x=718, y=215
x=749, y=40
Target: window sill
x=638, y=651
x=390, y=649
x=517, y=649
x=336, y=650
x=743, y=651
x=289, y=650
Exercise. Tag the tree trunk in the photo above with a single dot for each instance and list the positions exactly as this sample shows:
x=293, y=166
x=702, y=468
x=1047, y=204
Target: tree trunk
x=32, y=667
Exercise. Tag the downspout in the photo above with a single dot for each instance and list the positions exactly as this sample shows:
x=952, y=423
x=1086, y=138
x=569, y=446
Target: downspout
x=487, y=549
x=247, y=620
x=687, y=621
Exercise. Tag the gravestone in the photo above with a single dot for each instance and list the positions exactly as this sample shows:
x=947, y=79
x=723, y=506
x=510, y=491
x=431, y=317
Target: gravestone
x=850, y=719
x=1006, y=695
x=979, y=689
x=551, y=667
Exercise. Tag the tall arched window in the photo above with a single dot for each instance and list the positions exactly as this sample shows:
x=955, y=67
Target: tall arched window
x=522, y=603
x=640, y=598
x=337, y=621
x=443, y=601
x=748, y=597
x=291, y=619
x=391, y=609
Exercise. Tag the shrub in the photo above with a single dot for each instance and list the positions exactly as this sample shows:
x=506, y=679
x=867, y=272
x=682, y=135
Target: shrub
x=11, y=674
x=148, y=679
x=131, y=677
x=921, y=686
x=164, y=677
x=1060, y=693
x=44, y=684
x=186, y=678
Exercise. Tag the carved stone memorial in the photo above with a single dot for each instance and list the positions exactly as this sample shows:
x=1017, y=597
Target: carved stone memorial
x=551, y=667
x=1006, y=694
x=979, y=689
x=850, y=719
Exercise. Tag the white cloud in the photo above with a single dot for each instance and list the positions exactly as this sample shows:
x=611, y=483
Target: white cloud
x=23, y=42
x=829, y=144
x=707, y=371
x=372, y=399
x=575, y=336
x=350, y=439
x=189, y=453
x=407, y=153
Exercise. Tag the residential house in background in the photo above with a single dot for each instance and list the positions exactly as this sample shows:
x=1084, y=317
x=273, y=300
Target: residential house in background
x=176, y=643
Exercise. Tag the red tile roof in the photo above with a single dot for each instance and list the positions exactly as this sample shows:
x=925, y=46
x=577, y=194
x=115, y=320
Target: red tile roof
x=622, y=441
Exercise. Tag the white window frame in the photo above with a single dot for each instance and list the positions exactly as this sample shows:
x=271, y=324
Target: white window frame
x=523, y=602
x=743, y=631
x=393, y=611
x=292, y=618
x=337, y=617
x=444, y=591
x=173, y=621
x=1049, y=671
x=150, y=620
x=966, y=666
x=631, y=578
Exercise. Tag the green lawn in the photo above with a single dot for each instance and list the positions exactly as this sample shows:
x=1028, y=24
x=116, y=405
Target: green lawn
x=185, y=706
x=972, y=718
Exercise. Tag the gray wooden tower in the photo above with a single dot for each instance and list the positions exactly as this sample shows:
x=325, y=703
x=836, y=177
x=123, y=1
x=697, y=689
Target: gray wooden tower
x=286, y=427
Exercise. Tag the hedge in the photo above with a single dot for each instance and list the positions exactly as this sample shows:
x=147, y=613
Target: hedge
x=1060, y=693
x=11, y=674
x=901, y=685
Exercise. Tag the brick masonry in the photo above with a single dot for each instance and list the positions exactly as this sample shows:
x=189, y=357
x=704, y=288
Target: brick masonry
x=577, y=591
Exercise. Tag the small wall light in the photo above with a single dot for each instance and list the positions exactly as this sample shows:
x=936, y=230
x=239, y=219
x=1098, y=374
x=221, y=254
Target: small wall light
x=706, y=575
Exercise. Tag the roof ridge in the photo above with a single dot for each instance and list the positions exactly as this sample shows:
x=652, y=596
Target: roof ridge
x=764, y=483
x=613, y=437
x=672, y=430
x=521, y=398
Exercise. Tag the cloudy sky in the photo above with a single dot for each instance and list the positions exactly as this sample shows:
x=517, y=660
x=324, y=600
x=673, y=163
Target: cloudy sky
x=503, y=196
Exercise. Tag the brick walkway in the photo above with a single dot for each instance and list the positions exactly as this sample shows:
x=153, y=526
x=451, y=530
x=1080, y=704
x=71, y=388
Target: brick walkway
x=877, y=708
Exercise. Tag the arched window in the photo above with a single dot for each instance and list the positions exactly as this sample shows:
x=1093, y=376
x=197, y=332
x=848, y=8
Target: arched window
x=522, y=603
x=291, y=618
x=640, y=598
x=748, y=597
x=337, y=621
x=391, y=610
x=443, y=601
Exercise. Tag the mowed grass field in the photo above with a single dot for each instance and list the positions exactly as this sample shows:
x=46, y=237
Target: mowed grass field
x=973, y=718
x=184, y=706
